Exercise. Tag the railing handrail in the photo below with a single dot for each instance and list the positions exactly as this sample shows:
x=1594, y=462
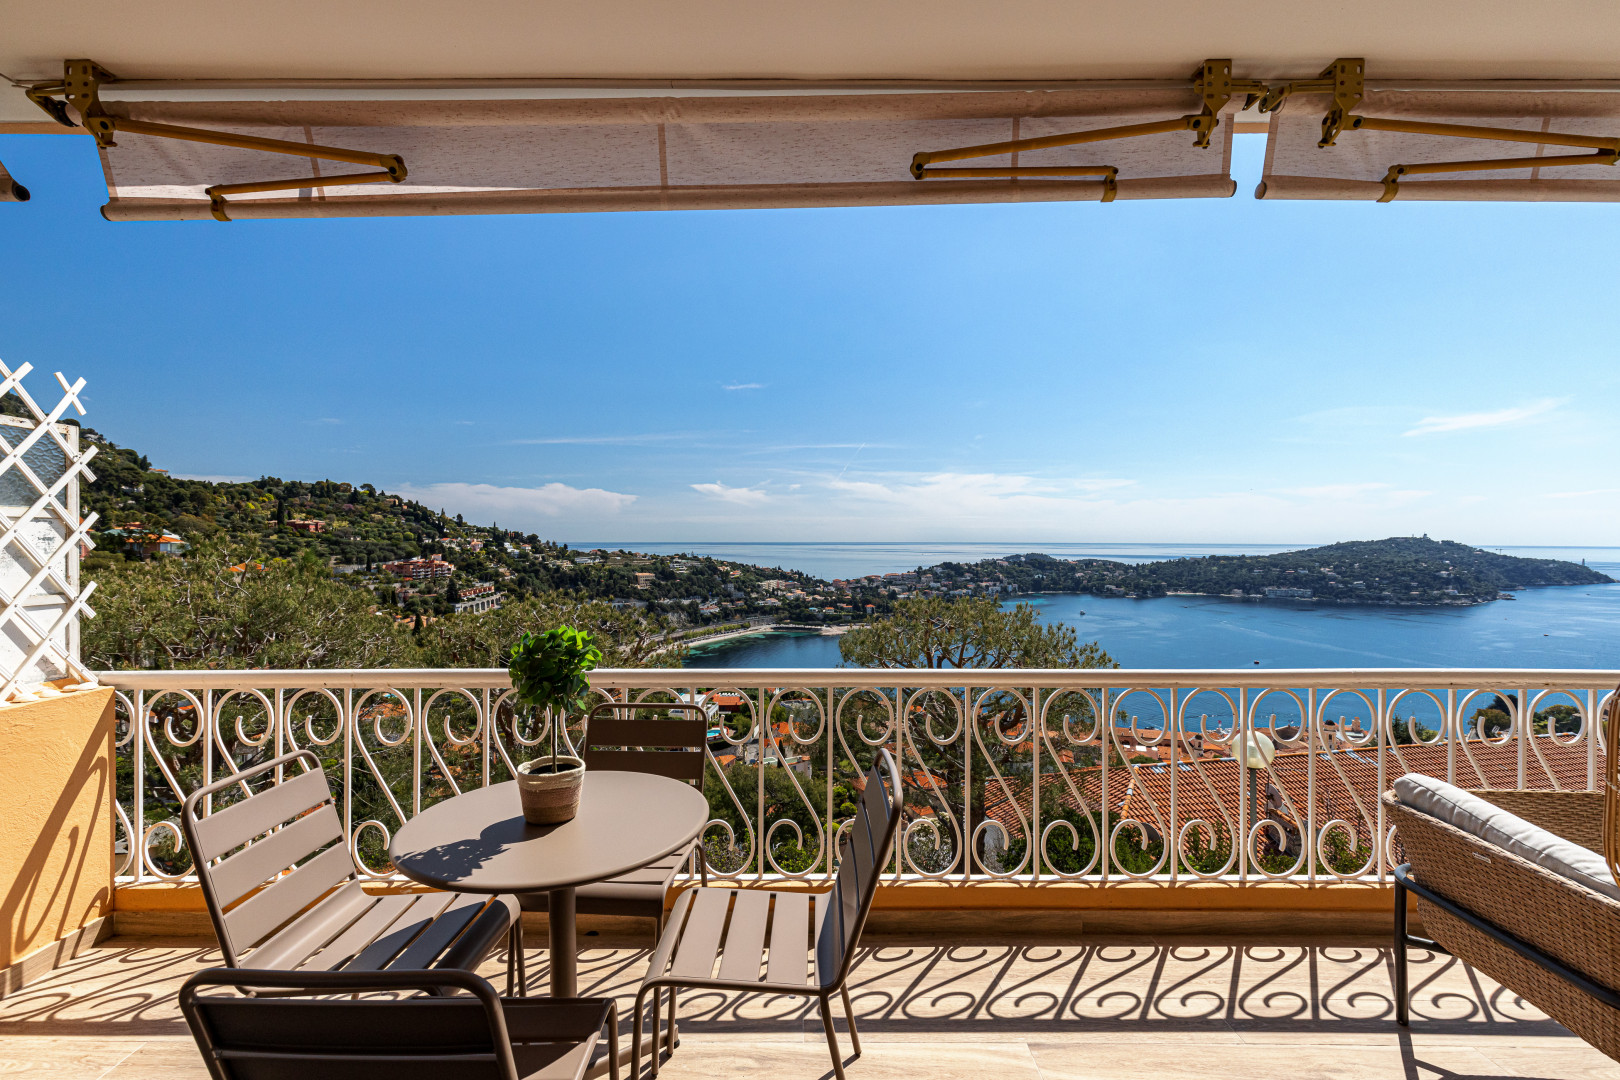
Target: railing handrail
x=879, y=678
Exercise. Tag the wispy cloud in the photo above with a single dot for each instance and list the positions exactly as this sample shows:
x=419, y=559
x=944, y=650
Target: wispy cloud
x=604, y=440
x=488, y=500
x=742, y=496
x=1363, y=492
x=984, y=495
x=743, y=386
x=1101, y=483
x=1436, y=425
x=1581, y=494
x=1350, y=416
x=818, y=446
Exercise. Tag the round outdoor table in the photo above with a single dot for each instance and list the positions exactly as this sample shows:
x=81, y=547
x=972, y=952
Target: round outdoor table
x=479, y=843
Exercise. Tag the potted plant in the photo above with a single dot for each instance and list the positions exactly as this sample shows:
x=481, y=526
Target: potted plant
x=549, y=673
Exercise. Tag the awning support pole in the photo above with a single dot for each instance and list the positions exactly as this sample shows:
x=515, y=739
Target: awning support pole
x=1212, y=81
x=1345, y=79
x=81, y=88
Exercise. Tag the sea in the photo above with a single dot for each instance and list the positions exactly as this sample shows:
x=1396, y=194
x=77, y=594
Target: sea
x=1557, y=627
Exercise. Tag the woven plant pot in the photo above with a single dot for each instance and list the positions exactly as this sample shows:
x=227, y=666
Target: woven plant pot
x=550, y=798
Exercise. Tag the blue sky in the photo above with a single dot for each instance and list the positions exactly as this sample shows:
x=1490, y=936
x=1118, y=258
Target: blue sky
x=1200, y=371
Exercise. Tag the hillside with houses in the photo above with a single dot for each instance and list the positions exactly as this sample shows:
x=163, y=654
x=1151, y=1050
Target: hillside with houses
x=421, y=561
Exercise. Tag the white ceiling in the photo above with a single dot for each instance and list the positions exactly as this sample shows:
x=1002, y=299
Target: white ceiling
x=835, y=40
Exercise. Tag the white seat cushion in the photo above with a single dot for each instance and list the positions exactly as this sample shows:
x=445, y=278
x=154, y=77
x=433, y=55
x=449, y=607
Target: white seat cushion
x=1491, y=823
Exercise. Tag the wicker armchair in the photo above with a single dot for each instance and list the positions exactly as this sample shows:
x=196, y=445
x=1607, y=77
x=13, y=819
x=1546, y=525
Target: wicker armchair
x=1549, y=939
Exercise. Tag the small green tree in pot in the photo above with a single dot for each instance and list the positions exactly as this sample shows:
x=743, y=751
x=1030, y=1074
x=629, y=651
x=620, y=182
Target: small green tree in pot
x=549, y=673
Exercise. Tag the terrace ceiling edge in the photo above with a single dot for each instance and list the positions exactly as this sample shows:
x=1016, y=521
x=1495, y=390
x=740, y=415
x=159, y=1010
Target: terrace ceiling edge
x=709, y=104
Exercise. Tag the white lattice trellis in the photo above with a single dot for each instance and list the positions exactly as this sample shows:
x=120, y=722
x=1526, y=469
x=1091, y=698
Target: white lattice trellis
x=41, y=539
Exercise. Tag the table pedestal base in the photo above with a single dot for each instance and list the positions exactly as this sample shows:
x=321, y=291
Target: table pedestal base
x=560, y=927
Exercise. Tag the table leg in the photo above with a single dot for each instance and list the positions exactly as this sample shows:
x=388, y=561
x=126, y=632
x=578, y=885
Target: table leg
x=564, y=961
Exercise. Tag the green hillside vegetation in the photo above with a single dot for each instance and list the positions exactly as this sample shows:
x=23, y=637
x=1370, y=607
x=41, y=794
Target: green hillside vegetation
x=1398, y=570
x=356, y=529
x=293, y=573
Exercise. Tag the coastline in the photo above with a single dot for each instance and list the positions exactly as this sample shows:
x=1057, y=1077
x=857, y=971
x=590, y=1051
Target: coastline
x=1299, y=600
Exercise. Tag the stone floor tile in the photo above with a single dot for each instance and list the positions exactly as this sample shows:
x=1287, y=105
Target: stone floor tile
x=1303, y=1061
x=1577, y=1062
x=173, y=1058
x=880, y=1061
x=69, y=1058
x=1469, y=1034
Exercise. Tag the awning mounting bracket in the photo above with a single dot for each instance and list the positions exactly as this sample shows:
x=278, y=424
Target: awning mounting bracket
x=81, y=88
x=1213, y=82
x=1345, y=79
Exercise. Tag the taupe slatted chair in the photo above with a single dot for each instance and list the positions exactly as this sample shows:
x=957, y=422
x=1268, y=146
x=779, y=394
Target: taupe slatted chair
x=780, y=942
x=290, y=824
x=671, y=747
x=287, y=1032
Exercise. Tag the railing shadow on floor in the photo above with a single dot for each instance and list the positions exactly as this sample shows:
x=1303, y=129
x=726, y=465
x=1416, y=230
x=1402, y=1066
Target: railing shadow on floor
x=1124, y=988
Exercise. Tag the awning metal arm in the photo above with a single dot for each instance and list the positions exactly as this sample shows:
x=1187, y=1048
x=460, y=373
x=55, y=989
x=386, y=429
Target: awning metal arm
x=1393, y=177
x=81, y=88
x=1212, y=81
x=1345, y=80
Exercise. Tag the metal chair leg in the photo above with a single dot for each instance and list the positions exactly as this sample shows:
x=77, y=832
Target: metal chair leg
x=832, y=1039
x=512, y=958
x=522, y=962
x=613, y=1041
x=669, y=1032
x=849, y=1014
x=635, y=1034
x=1402, y=1009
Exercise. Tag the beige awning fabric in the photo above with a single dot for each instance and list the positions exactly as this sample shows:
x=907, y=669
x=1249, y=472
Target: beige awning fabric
x=656, y=153
x=1355, y=166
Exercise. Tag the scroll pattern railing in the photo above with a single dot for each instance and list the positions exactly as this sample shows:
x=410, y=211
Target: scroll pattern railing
x=1010, y=775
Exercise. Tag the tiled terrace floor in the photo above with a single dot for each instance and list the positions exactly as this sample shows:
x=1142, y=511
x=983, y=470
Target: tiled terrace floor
x=1099, y=1008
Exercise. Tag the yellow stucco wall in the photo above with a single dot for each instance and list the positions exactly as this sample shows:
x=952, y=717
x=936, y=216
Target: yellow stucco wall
x=56, y=818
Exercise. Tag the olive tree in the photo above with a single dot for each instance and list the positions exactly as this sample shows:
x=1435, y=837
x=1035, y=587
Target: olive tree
x=970, y=634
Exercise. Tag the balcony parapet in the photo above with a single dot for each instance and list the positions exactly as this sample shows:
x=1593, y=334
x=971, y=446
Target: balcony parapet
x=1018, y=781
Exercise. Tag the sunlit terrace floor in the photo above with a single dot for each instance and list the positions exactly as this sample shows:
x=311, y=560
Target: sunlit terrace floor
x=1097, y=1007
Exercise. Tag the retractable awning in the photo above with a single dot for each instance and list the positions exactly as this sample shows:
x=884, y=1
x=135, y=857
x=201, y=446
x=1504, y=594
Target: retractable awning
x=636, y=150
x=1333, y=138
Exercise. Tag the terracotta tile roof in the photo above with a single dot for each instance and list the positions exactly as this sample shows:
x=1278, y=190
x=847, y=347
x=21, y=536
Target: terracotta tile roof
x=1346, y=781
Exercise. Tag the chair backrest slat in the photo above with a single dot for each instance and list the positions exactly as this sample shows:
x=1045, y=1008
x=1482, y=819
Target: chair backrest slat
x=871, y=841
x=237, y=875
x=686, y=734
x=671, y=747
x=232, y=826
x=307, y=1038
x=317, y=929
x=676, y=766
x=861, y=856
x=255, y=918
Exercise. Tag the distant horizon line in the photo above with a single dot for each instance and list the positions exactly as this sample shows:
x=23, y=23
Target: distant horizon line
x=1099, y=543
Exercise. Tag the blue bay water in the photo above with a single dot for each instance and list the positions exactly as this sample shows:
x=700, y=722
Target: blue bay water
x=1566, y=627
x=1573, y=627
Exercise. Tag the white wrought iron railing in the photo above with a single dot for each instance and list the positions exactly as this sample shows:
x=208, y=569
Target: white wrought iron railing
x=1246, y=776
